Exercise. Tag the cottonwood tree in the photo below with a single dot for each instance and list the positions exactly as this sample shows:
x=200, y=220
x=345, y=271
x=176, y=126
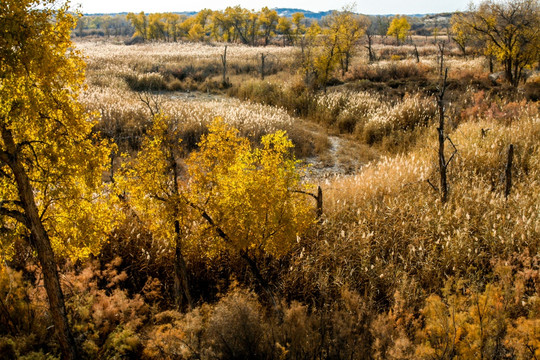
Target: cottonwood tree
x=140, y=23
x=248, y=196
x=309, y=51
x=350, y=28
x=284, y=27
x=461, y=34
x=509, y=30
x=157, y=29
x=399, y=27
x=153, y=184
x=237, y=17
x=51, y=164
x=299, y=27
x=171, y=26
x=333, y=45
x=268, y=20
x=253, y=27
x=327, y=55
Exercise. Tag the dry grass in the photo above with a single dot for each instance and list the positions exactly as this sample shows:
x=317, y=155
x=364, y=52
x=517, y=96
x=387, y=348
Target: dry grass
x=177, y=65
x=129, y=83
x=389, y=273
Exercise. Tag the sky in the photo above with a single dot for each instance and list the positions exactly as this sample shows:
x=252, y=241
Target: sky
x=362, y=6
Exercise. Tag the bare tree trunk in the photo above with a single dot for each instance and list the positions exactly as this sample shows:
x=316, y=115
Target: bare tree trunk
x=508, y=172
x=416, y=54
x=224, y=62
x=443, y=185
x=441, y=57
x=40, y=241
x=370, y=48
x=319, y=199
x=263, y=58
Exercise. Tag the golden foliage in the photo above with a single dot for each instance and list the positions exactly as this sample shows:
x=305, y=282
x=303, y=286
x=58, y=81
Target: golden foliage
x=399, y=27
x=250, y=194
x=51, y=131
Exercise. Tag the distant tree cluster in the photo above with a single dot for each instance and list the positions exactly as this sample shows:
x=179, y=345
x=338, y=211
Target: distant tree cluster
x=507, y=31
x=234, y=24
x=103, y=25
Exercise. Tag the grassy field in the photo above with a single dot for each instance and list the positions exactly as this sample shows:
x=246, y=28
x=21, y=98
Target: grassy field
x=388, y=271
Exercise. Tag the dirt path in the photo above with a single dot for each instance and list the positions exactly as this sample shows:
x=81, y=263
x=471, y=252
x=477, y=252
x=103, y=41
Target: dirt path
x=342, y=156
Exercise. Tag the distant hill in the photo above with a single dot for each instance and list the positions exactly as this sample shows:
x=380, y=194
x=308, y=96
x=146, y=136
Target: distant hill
x=308, y=14
x=281, y=12
x=188, y=13
x=288, y=12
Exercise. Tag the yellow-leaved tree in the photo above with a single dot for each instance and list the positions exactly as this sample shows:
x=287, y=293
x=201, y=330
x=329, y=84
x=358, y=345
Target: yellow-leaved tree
x=140, y=23
x=324, y=49
x=51, y=164
x=154, y=189
x=399, y=27
x=508, y=31
x=349, y=28
x=250, y=196
x=461, y=34
x=268, y=20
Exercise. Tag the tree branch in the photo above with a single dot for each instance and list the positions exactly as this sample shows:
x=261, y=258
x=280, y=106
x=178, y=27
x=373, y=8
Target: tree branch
x=305, y=193
x=210, y=221
x=16, y=215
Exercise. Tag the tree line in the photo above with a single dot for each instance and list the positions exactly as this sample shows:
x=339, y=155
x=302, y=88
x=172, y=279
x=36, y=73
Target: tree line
x=503, y=32
x=234, y=24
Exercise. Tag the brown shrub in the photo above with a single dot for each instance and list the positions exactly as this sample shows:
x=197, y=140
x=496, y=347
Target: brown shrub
x=394, y=70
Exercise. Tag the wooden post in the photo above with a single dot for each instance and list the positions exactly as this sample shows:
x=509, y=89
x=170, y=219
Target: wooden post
x=263, y=58
x=508, y=171
x=224, y=62
x=319, y=199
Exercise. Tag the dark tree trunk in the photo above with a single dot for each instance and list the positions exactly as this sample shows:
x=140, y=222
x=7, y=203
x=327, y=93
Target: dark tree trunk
x=41, y=243
x=319, y=200
x=508, y=171
x=371, y=55
x=443, y=184
x=508, y=71
x=263, y=58
x=224, y=62
x=181, y=284
x=260, y=279
x=441, y=46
